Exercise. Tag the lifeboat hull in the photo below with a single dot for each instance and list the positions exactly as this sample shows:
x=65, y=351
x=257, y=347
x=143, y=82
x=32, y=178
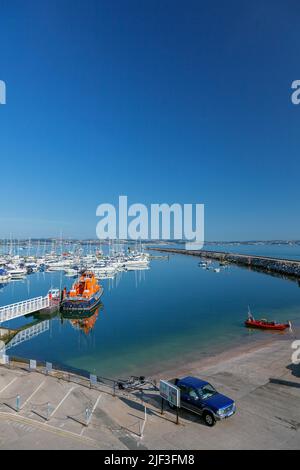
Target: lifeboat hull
x=80, y=315
x=85, y=305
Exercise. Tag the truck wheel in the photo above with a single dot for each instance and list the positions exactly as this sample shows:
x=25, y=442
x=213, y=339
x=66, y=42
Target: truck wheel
x=209, y=419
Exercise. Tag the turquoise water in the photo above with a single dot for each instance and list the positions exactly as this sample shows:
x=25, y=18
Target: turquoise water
x=169, y=315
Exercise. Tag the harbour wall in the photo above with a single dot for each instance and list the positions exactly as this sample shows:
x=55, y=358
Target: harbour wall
x=283, y=267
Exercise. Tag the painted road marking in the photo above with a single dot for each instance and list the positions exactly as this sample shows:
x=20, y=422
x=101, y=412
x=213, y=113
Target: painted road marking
x=61, y=402
x=10, y=383
x=36, y=425
x=32, y=395
x=93, y=409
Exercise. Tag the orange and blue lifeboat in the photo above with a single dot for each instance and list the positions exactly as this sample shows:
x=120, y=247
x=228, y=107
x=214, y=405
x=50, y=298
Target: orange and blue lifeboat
x=85, y=294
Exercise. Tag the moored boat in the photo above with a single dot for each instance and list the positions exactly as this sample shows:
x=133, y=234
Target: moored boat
x=4, y=275
x=16, y=272
x=264, y=324
x=84, y=295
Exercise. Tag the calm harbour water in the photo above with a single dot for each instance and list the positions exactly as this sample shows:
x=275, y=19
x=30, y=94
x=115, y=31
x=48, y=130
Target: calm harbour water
x=151, y=320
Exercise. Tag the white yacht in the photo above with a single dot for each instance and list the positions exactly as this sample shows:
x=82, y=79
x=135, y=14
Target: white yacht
x=60, y=265
x=32, y=266
x=102, y=268
x=203, y=264
x=71, y=272
x=17, y=272
x=137, y=261
x=4, y=276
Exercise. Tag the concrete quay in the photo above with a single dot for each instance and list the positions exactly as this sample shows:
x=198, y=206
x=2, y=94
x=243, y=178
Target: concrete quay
x=263, y=382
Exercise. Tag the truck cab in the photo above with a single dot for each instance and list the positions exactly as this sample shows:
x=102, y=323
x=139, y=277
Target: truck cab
x=200, y=397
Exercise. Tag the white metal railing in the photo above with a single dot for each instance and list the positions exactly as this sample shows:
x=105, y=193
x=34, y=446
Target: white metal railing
x=26, y=307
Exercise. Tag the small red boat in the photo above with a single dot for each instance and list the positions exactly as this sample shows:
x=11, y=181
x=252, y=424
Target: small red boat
x=266, y=325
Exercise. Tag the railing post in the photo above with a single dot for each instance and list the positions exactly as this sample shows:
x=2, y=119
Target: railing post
x=18, y=403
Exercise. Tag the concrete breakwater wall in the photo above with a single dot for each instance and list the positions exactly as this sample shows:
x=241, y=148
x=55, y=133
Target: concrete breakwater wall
x=285, y=267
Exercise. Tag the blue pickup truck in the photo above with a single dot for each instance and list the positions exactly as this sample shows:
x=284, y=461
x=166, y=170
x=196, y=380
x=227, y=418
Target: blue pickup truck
x=200, y=397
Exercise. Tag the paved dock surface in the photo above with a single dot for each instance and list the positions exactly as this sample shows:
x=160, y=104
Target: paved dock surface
x=264, y=383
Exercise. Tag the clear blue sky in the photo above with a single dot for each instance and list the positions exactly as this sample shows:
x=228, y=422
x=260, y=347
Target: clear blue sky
x=165, y=101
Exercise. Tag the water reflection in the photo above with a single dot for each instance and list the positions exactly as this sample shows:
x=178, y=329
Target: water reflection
x=16, y=337
x=82, y=321
x=85, y=324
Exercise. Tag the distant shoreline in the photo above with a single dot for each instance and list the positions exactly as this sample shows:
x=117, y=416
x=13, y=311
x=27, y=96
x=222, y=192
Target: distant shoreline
x=95, y=241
